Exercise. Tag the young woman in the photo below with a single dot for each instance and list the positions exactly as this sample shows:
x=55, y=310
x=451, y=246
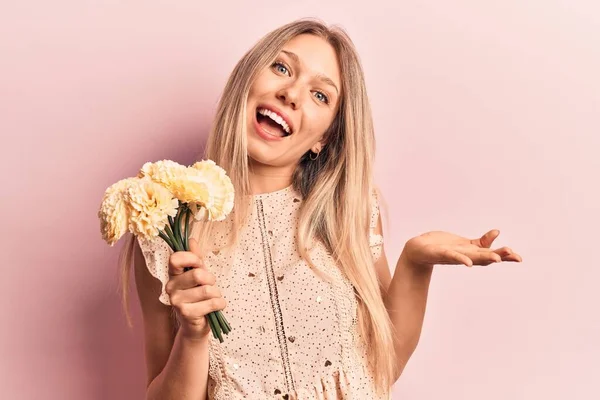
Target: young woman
x=298, y=267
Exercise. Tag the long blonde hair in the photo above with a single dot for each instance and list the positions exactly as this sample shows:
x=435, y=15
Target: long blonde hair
x=344, y=168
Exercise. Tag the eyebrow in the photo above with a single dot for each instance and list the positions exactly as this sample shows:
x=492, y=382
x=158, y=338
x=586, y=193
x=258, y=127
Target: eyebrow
x=323, y=78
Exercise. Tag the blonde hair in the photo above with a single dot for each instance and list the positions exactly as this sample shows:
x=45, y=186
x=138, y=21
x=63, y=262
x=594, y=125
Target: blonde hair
x=344, y=168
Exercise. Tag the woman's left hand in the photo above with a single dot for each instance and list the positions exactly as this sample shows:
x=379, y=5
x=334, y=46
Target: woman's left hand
x=440, y=247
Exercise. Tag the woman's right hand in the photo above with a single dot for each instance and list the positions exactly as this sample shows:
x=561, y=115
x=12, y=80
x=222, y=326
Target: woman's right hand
x=193, y=293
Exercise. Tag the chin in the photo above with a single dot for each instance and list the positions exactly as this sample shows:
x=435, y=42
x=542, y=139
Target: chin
x=259, y=151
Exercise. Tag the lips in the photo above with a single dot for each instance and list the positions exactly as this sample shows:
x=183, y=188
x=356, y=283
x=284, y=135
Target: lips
x=272, y=123
x=276, y=115
x=266, y=134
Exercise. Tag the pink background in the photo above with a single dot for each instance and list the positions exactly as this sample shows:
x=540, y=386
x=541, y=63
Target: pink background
x=487, y=116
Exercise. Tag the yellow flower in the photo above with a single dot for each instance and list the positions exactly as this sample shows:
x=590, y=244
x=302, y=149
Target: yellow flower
x=190, y=188
x=144, y=204
x=114, y=211
x=219, y=188
x=150, y=205
x=163, y=172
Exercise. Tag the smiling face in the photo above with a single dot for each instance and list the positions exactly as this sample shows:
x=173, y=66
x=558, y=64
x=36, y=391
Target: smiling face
x=293, y=102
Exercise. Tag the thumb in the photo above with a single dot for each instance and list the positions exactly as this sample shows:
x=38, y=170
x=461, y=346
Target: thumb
x=489, y=237
x=194, y=247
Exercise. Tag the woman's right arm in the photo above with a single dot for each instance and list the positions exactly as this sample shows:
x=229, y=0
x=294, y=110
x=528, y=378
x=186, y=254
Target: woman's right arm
x=176, y=360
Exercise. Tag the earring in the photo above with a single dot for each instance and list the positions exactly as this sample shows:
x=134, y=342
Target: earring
x=311, y=155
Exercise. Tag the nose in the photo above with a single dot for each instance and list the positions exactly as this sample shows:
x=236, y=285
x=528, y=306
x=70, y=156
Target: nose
x=290, y=95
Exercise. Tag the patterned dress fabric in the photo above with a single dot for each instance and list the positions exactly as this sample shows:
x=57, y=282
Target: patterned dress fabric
x=295, y=333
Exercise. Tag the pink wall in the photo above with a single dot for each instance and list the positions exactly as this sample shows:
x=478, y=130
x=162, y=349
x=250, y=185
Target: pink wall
x=487, y=116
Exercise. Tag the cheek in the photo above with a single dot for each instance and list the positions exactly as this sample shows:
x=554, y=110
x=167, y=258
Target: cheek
x=261, y=85
x=317, y=123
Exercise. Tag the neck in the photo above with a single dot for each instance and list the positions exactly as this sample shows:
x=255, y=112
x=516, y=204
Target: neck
x=266, y=178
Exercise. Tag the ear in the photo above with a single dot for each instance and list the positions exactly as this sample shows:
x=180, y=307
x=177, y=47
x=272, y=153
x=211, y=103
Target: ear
x=317, y=147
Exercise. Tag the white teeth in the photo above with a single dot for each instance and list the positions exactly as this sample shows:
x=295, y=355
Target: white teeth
x=275, y=117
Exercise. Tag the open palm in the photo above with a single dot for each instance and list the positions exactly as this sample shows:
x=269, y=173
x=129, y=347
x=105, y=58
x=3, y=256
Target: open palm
x=440, y=247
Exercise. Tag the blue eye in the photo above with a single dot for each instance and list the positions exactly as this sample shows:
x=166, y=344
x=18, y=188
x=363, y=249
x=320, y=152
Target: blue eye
x=281, y=68
x=321, y=97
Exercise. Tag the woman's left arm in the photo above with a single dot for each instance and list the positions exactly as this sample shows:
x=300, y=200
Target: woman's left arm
x=406, y=300
x=405, y=295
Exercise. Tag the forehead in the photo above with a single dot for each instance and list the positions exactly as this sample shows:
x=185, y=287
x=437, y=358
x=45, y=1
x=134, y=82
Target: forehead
x=316, y=55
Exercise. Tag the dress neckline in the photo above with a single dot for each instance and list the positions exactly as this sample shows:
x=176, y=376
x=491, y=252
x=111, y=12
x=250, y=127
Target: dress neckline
x=286, y=192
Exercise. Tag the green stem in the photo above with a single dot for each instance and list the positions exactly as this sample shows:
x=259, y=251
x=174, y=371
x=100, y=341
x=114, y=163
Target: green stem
x=220, y=322
x=187, y=218
x=172, y=234
x=183, y=229
x=213, y=328
x=177, y=226
x=225, y=320
x=167, y=239
x=215, y=322
x=172, y=237
x=224, y=325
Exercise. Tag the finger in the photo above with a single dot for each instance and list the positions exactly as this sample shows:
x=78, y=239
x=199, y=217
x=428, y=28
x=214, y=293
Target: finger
x=474, y=249
x=450, y=256
x=198, y=276
x=182, y=259
x=498, y=255
x=195, y=294
x=195, y=247
x=507, y=254
x=503, y=251
x=512, y=257
x=190, y=279
x=471, y=249
x=487, y=239
x=482, y=258
x=479, y=256
x=201, y=308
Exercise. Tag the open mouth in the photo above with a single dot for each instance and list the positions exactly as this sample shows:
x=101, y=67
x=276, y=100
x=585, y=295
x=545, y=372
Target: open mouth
x=272, y=123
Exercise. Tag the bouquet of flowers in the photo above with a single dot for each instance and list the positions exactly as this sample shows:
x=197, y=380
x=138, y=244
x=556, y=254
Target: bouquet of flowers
x=162, y=196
